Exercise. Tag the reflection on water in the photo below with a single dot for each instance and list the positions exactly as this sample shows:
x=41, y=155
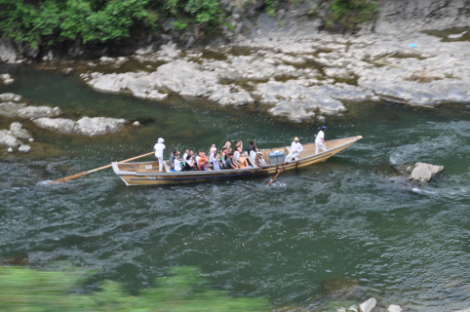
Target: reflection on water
x=340, y=220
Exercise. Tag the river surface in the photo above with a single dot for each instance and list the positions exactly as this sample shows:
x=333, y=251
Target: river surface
x=342, y=222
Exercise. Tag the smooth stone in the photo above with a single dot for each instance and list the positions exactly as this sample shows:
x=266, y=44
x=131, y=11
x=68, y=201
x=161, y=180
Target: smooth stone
x=61, y=125
x=395, y=308
x=423, y=172
x=24, y=148
x=7, y=139
x=99, y=125
x=31, y=140
x=353, y=308
x=10, y=150
x=457, y=36
x=368, y=305
x=10, y=97
x=136, y=123
x=21, y=110
x=17, y=130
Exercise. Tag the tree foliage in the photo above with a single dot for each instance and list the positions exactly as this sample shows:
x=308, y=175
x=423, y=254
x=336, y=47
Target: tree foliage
x=53, y=21
x=23, y=289
x=349, y=13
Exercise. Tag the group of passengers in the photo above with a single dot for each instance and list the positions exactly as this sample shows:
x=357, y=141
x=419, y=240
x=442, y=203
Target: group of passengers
x=227, y=158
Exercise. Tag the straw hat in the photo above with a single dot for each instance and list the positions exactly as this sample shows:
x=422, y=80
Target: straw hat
x=296, y=139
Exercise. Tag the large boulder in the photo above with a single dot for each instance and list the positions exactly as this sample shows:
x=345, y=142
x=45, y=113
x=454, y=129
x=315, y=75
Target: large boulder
x=6, y=79
x=17, y=130
x=422, y=172
x=7, y=139
x=7, y=52
x=21, y=110
x=10, y=97
x=368, y=305
x=99, y=125
x=61, y=125
x=418, y=172
x=85, y=126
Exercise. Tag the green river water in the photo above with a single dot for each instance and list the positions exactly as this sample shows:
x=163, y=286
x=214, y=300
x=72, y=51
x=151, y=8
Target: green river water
x=341, y=225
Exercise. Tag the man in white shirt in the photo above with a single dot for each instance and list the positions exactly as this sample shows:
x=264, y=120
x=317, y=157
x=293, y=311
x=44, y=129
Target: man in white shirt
x=295, y=150
x=320, y=141
x=159, y=148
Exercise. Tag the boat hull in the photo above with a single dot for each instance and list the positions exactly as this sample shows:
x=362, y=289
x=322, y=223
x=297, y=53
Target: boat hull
x=146, y=173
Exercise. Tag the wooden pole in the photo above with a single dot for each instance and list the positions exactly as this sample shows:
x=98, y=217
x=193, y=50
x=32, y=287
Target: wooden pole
x=277, y=174
x=81, y=174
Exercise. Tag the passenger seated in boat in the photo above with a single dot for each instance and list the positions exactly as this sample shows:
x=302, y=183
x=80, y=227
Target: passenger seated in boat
x=295, y=150
x=202, y=157
x=189, y=165
x=228, y=146
x=224, y=155
x=253, y=153
x=237, y=153
x=238, y=144
x=202, y=165
x=259, y=160
x=242, y=162
x=214, y=160
x=231, y=163
x=251, y=147
x=177, y=162
x=186, y=153
x=172, y=160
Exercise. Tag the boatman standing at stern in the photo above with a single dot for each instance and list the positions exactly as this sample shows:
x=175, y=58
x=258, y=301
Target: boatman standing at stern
x=320, y=140
x=295, y=150
x=159, y=148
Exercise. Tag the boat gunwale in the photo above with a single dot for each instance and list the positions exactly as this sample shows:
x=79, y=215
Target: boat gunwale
x=230, y=172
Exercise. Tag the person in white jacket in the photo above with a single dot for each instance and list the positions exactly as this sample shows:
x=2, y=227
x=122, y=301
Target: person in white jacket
x=159, y=148
x=320, y=141
x=295, y=150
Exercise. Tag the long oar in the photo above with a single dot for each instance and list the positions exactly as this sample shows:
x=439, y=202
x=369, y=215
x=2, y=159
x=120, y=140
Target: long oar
x=277, y=174
x=81, y=174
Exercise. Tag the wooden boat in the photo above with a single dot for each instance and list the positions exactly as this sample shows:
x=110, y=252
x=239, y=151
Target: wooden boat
x=146, y=173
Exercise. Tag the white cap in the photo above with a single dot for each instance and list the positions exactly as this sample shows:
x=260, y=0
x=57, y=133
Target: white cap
x=160, y=140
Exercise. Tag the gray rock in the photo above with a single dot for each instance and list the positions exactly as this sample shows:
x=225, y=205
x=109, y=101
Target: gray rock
x=21, y=110
x=60, y=125
x=10, y=150
x=422, y=172
x=6, y=79
x=395, y=308
x=464, y=310
x=7, y=139
x=368, y=305
x=10, y=97
x=85, y=126
x=24, y=148
x=8, y=53
x=136, y=123
x=17, y=130
x=297, y=102
x=99, y=125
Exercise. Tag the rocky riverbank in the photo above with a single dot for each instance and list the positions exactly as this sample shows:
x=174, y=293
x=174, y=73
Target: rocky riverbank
x=302, y=77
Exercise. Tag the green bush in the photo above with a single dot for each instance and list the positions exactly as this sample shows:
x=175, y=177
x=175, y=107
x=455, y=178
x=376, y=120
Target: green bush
x=23, y=289
x=53, y=21
x=349, y=13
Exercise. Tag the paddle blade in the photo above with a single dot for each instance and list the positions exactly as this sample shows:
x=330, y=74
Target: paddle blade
x=72, y=177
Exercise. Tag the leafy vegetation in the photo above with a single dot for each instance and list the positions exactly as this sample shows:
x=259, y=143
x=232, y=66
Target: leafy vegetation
x=49, y=22
x=349, y=13
x=24, y=289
